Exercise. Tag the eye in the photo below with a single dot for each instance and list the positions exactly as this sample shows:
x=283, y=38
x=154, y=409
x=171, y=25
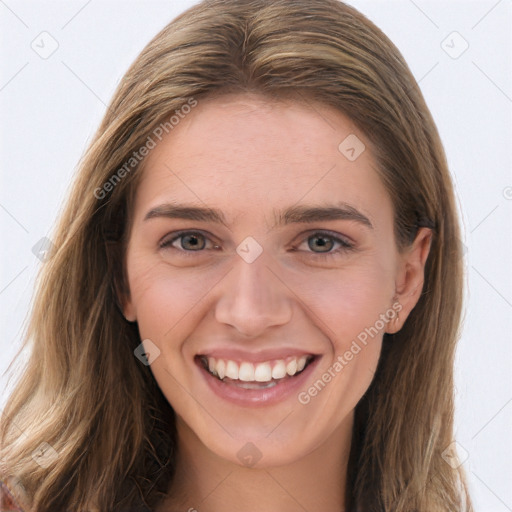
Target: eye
x=325, y=241
x=191, y=241
x=195, y=241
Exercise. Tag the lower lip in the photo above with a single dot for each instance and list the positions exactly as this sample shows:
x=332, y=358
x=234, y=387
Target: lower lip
x=258, y=397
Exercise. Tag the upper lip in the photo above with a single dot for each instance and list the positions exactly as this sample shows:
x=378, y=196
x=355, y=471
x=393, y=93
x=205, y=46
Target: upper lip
x=259, y=356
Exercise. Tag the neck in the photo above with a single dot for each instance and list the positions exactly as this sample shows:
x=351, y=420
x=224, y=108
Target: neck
x=208, y=483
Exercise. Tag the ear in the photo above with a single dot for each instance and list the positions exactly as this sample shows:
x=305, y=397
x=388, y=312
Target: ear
x=118, y=284
x=410, y=277
x=128, y=309
x=124, y=302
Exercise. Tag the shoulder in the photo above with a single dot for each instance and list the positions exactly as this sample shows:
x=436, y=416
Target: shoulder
x=8, y=502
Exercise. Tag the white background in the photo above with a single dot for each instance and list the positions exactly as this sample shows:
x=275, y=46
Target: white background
x=51, y=107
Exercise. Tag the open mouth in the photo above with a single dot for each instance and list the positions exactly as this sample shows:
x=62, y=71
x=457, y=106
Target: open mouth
x=262, y=375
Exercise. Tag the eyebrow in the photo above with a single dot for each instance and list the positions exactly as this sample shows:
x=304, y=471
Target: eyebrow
x=300, y=214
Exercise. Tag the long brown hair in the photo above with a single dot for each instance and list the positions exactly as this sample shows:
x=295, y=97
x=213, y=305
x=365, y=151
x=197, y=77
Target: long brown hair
x=85, y=394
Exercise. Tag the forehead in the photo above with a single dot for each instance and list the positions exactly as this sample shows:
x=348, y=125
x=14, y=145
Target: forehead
x=241, y=150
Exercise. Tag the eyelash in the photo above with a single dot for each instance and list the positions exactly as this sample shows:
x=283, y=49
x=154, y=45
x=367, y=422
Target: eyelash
x=345, y=245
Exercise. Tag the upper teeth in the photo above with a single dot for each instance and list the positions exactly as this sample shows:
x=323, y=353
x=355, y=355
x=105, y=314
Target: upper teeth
x=259, y=372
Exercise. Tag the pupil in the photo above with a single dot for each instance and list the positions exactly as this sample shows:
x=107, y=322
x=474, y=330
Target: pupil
x=321, y=243
x=192, y=240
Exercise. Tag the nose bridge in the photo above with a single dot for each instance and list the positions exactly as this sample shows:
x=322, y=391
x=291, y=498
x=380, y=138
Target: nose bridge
x=252, y=298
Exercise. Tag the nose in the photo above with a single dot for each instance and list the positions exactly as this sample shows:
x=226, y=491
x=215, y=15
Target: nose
x=253, y=298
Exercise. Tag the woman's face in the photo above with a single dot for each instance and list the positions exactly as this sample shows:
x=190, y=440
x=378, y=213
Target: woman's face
x=263, y=241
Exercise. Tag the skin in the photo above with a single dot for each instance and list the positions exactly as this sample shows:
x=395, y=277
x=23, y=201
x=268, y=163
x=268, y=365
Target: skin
x=248, y=155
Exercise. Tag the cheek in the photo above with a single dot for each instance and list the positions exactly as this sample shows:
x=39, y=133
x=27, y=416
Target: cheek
x=167, y=305
x=164, y=297
x=351, y=309
x=349, y=301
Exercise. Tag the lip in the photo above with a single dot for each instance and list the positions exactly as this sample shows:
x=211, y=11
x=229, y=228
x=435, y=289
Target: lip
x=258, y=397
x=262, y=356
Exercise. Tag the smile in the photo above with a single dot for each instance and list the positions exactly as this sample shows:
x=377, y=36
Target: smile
x=261, y=372
x=248, y=375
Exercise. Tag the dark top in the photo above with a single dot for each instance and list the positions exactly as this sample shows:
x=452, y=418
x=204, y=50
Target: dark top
x=7, y=501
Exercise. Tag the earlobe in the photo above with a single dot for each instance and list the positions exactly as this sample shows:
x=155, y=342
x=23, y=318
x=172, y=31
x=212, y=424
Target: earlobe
x=125, y=304
x=130, y=318
x=395, y=323
x=128, y=311
x=121, y=291
x=410, y=278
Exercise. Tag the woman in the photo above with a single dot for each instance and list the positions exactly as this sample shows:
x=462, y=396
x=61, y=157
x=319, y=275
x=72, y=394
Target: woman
x=255, y=293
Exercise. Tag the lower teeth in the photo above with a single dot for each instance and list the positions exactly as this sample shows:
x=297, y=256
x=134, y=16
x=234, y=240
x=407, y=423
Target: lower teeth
x=252, y=384
x=255, y=385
